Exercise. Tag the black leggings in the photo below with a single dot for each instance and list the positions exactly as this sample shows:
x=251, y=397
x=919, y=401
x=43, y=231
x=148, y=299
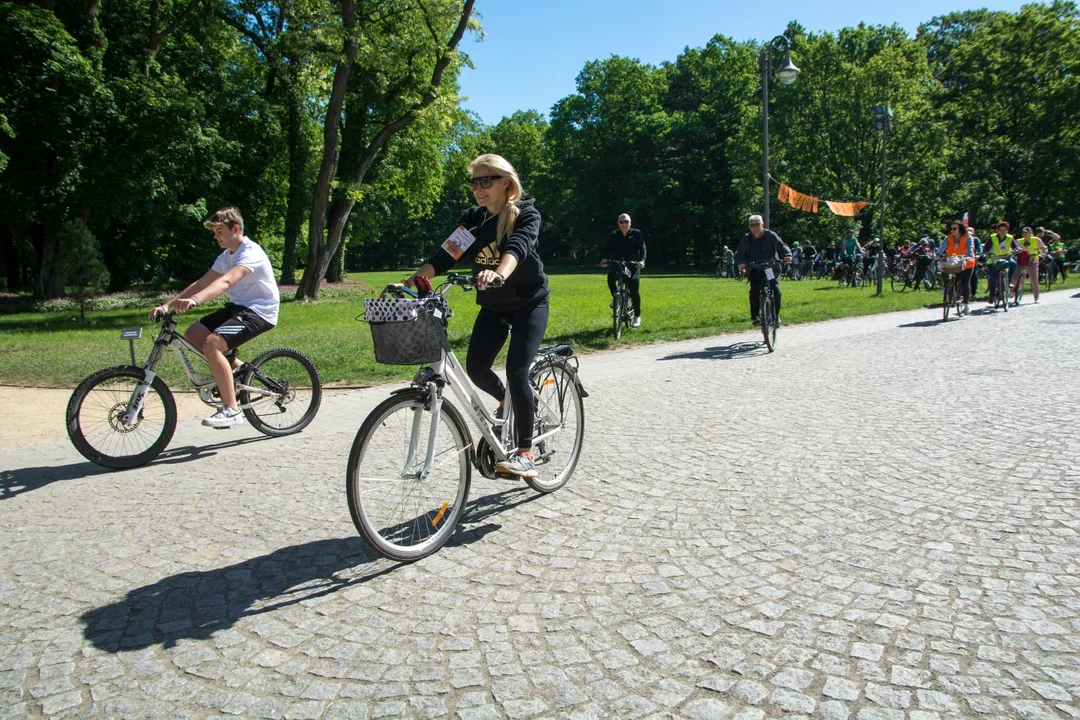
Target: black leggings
x=488, y=337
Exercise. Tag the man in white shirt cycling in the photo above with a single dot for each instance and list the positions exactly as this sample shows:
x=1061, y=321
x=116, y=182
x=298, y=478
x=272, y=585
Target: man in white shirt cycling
x=243, y=271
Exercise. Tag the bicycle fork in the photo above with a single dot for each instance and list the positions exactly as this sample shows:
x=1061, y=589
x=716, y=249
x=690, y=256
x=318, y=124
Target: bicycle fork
x=435, y=398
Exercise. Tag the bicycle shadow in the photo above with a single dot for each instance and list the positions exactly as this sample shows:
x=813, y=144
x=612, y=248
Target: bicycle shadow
x=922, y=323
x=195, y=605
x=723, y=352
x=23, y=480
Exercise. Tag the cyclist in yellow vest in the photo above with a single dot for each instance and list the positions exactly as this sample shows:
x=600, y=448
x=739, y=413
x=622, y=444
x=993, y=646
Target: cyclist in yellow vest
x=1034, y=248
x=1000, y=247
x=959, y=243
x=1057, y=249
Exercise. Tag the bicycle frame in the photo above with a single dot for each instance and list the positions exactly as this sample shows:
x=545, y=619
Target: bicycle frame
x=449, y=369
x=168, y=337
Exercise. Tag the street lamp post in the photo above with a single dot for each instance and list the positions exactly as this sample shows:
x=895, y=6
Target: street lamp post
x=786, y=75
x=882, y=121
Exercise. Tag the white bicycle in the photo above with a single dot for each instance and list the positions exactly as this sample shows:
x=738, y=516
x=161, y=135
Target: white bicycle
x=411, y=463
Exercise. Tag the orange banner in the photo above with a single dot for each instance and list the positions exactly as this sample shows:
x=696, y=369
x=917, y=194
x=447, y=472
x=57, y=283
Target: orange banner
x=796, y=199
x=847, y=209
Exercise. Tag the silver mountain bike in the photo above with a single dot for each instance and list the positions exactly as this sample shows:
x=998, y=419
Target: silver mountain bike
x=124, y=416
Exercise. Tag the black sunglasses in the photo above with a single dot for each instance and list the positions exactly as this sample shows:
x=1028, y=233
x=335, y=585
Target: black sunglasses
x=483, y=181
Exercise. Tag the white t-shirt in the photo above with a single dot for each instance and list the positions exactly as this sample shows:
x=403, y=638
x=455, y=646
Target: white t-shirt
x=257, y=291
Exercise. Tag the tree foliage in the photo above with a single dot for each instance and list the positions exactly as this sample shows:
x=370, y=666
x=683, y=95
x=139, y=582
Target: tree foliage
x=337, y=128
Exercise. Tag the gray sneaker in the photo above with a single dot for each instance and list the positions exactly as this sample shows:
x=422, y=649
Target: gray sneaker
x=636, y=322
x=517, y=464
x=224, y=417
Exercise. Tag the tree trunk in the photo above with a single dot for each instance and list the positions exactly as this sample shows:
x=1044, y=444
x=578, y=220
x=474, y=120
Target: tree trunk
x=336, y=270
x=10, y=253
x=294, y=213
x=323, y=253
x=317, y=258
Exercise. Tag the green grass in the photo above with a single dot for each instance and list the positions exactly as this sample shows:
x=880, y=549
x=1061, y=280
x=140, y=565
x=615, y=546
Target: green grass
x=53, y=350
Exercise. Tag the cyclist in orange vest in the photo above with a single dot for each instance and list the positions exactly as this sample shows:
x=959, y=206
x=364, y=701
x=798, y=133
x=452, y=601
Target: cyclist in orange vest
x=958, y=242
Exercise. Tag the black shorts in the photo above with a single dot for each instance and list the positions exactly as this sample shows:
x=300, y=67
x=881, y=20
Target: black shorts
x=235, y=324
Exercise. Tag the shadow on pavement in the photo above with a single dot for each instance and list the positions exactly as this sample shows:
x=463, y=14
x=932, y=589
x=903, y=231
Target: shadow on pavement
x=188, y=453
x=21, y=480
x=723, y=352
x=922, y=323
x=195, y=605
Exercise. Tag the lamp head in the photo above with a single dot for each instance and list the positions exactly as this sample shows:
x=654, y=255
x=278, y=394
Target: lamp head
x=789, y=72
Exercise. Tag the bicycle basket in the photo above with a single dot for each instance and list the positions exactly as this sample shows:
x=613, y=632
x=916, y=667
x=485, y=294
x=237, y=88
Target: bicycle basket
x=406, y=331
x=951, y=264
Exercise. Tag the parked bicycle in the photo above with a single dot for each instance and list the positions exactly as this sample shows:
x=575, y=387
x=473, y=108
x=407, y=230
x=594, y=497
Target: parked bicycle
x=767, y=314
x=410, y=468
x=622, y=313
x=124, y=416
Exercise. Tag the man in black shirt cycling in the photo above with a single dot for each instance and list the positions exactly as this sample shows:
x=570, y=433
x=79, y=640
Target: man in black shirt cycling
x=628, y=245
x=762, y=246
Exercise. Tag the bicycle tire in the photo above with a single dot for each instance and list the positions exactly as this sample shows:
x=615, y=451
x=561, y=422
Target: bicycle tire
x=768, y=332
x=1003, y=290
x=558, y=404
x=296, y=384
x=616, y=313
x=946, y=298
x=897, y=283
x=93, y=418
x=395, y=513
x=1018, y=292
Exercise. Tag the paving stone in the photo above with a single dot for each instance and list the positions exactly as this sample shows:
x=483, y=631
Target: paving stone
x=733, y=576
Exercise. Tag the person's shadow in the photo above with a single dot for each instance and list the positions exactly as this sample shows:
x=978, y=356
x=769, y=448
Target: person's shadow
x=195, y=605
x=722, y=352
x=21, y=480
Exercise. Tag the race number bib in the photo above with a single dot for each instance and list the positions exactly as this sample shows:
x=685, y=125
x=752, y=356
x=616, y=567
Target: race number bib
x=459, y=241
x=769, y=274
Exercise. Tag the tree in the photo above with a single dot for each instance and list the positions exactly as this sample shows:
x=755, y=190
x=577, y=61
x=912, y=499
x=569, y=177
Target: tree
x=84, y=268
x=402, y=72
x=1012, y=94
x=45, y=76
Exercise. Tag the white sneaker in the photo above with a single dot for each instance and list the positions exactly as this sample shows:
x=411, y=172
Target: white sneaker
x=636, y=322
x=224, y=417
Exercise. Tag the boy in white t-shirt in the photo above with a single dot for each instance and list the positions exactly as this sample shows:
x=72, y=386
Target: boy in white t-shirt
x=244, y=272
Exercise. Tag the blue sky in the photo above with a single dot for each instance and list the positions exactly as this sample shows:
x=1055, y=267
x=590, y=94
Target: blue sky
x=534, y=49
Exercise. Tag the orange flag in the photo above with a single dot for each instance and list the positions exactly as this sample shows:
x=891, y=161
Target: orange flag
x=847, y=209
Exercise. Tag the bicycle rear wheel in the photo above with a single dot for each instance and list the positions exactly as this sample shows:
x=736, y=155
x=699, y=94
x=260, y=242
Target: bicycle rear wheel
x=1018, y=293
x=94, y=418
x=402, y=515
x=558, y=407
x=284, y=391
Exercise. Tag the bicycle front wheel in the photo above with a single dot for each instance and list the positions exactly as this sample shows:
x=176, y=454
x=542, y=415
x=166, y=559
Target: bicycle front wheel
x=946, y=298
x=616, y=314
x=281, y=392
x=768, y=323
x=559, y=408
x=96, y=409
x=403, y=513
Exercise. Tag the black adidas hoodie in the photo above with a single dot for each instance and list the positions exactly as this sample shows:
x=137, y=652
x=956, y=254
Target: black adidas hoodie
x=527, y=284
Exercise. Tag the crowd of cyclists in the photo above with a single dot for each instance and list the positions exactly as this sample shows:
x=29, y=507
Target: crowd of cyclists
x=1038, y=255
